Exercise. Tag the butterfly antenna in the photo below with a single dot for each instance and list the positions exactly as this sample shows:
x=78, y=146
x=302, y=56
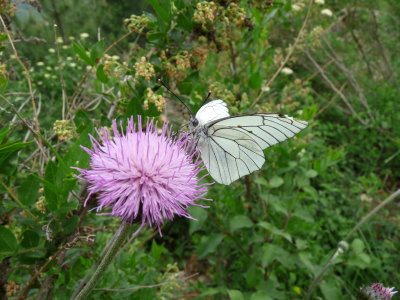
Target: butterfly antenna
x=162, y=82
x=206, y=99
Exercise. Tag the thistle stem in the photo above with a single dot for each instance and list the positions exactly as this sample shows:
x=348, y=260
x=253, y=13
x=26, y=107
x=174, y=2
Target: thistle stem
x=118, y=240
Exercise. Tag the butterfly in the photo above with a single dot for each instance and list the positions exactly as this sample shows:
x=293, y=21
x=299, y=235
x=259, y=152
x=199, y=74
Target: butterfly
x=232, y=146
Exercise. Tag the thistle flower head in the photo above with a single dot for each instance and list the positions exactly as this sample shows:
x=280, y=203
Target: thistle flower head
x=377, y=291
x=143, y=174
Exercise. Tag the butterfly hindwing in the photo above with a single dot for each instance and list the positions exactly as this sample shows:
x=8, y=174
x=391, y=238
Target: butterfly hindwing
x=229, y=154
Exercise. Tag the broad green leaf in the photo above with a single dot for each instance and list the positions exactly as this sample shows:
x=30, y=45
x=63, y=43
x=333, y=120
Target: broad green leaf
x=255, y=81
x=200, y=214
x=30, y=239
x=101, y=75
x=162, y=9
x=8, y=242
x=311, y=173
x=331, y=290
x=209, y=244
x=261, y=295
x=275, y=182
x=240, y=221
x=81, y=51
x=235, y=295
x=28, y=190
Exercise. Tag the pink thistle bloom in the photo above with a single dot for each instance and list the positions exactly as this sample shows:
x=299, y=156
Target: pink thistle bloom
x=377, y=291
x=143, y=173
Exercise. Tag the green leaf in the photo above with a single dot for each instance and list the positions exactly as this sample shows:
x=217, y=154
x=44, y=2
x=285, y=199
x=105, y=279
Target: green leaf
x=70, y=224
x=82, y=120
x=276, y=231
x=8, y=242
x=96, y=51
x=28, y=191
x=275, y=182
x=311, y=173
x=209, y=244
x=255, y=81
x=162, y=9
x=81, y=51
x=3, y=37
x=235, y=295
x=200, y=214
x=30, y=239
x=101, y=75
x=260, y=295
x=240, y=221
x=8, y=149
x=331, y=290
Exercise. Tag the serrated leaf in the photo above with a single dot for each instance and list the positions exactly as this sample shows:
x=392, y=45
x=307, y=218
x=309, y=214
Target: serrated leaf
x=8, y=242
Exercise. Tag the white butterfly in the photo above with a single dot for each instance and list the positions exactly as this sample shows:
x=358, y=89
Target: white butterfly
x=232, y=146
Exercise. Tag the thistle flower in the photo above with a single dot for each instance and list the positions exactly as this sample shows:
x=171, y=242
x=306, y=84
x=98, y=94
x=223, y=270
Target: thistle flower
x=143, y=174
x=377, y=291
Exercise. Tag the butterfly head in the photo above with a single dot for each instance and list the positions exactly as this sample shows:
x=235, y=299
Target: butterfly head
x=193, y=124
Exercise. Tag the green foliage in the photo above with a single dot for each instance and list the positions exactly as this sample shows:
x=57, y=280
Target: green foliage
x=265, y=236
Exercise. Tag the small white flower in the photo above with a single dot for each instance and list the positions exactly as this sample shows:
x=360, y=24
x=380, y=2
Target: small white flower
x=321, y=2
x=48, y=68
x=88, y=68
x=72, y=65
x=40, y=83
x=296, y=7
x=69, y=58
x=65, y=47
x=59, y=40
x=265, y=89
x=327, y=12
x=84, y=35
x=71, y=38
x=52, y=50
x=287, y=71
x=115, y=57
x=40, y=64
x=46, y=75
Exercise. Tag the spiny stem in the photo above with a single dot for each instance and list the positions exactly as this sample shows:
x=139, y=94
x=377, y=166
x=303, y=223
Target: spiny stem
x=119, y=238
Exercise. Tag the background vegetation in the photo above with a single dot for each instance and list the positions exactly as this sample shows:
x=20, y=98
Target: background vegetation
x=267, y=236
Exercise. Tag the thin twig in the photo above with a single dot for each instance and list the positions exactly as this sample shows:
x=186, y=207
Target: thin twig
x=335, y=89
x=291, y=50
x=138, y=287
x=27, y=74
x=86, y=76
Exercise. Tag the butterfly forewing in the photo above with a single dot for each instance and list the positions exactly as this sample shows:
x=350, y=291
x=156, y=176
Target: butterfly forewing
x=265, y=129
x=232, y=147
